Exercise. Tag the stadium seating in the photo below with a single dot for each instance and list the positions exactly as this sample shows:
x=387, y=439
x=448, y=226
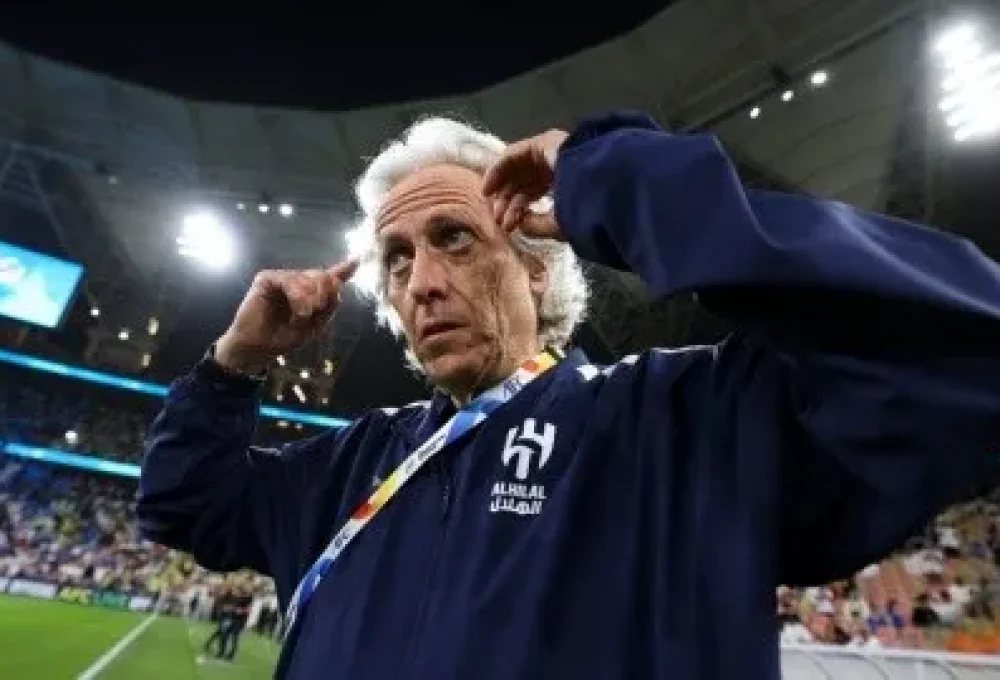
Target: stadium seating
x=69, y=532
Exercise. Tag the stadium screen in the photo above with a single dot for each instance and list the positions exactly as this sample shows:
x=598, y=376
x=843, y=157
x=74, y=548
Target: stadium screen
x=35, y=288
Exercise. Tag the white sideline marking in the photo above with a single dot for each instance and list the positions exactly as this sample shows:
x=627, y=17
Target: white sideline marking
x=95, y=668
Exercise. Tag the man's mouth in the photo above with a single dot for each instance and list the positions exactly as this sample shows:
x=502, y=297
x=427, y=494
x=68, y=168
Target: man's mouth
x=438, y=328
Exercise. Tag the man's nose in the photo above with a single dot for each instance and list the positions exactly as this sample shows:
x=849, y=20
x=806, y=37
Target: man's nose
x=428, y=276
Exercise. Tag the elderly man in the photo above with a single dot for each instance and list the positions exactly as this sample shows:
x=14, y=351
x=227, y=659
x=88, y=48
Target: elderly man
x=542, y=517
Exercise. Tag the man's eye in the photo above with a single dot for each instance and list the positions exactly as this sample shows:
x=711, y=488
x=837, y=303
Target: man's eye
x=455, y=238
x=396, y=262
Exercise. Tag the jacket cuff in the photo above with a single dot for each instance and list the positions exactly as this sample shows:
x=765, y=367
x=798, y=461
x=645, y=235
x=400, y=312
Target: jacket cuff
x=210, y=373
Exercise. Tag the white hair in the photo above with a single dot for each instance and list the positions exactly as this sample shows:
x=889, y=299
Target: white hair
x=437, y=141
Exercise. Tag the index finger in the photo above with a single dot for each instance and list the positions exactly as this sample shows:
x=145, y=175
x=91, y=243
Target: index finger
x=343, y=271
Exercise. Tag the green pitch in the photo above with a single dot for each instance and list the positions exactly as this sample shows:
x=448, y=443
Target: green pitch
x=43, y=640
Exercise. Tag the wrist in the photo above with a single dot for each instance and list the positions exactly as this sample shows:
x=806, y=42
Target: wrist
x=236, y=360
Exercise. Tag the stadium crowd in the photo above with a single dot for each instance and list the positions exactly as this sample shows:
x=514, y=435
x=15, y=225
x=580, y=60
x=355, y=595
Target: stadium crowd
x=71, y=527
x=84, y=419
x=939, y=592
x=75, y=529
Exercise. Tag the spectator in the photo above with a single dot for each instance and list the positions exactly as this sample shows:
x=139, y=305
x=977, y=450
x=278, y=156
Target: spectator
x=865, y=640
x=885, y=617
x=947, y=610
x=948, y=541
x=923, y=615
x=960, y=592
x=983, y=600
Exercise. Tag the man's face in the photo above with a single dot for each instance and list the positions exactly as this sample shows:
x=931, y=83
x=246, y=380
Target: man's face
x=466, y=298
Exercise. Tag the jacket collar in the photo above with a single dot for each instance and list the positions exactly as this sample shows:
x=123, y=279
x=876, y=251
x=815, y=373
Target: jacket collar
x=442, y=406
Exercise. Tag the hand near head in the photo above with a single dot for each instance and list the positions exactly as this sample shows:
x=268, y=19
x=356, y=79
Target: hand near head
x=281, y=311
x=523, y=175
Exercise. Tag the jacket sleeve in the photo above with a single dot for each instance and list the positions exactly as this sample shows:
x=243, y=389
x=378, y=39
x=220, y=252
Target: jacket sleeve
x=882, y=334
x=205, y=490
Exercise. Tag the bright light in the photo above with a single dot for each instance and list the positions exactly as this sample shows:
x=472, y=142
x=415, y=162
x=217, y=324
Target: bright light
x=970, y=83
x=325, y=401
x=361, y=244
x=205, y=239
x=787, y=96
x=755, y=112
x=955, y=39
x=819, y=78
x=282, y=424
x=123, y=334
x=241, y=206
x=72, y=437
x=304, y=374
x=95, y=312
x=146, y=359
x=264, y=208
x=297, y=389
x=154, y=326
x=327, y=366
x=281, y=360
x=286, y=210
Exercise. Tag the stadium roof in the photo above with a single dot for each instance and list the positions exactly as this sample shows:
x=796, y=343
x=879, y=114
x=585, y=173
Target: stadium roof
x=141, y=159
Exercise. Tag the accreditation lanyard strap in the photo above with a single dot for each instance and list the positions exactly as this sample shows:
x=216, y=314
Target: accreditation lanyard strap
x=466, y=420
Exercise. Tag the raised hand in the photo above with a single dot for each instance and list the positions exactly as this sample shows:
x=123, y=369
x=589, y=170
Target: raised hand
x=281, y=311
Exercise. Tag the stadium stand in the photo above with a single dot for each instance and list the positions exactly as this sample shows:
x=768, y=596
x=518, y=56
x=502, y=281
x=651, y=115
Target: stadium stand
x=71, y=535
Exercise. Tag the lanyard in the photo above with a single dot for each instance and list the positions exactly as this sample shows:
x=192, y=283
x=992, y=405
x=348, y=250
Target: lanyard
x=466, y=420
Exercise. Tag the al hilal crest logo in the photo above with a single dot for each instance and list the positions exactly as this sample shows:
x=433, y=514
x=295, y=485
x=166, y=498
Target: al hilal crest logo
x=527, y=447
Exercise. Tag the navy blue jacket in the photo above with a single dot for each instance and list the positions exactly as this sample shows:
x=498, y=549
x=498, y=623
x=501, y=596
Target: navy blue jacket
x=860, y=395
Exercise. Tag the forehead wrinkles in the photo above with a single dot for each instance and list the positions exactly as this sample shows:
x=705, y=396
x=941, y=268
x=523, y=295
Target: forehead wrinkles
x=434, y=187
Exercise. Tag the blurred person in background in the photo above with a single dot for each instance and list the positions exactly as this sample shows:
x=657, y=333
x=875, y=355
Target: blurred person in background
x=224, y=615
x=983, y=601
x=923, y=615
x=241, y=603
x=543, y=517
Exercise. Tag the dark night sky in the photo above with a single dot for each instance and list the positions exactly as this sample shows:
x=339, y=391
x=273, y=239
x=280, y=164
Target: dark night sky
x=315, y=55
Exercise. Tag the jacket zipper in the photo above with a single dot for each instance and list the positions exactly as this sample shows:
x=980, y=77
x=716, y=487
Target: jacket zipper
x=445, y=493
x=443, y=472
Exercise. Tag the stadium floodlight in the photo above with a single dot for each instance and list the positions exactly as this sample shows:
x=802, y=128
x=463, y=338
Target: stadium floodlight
x=787, y=96
x=95, y=312
x=286, y=210
x=72, y=437
x=204, y=238
x=123, y=334
x=755, y=112
x=304, y=374
x=970, y=83
x=819, y=78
